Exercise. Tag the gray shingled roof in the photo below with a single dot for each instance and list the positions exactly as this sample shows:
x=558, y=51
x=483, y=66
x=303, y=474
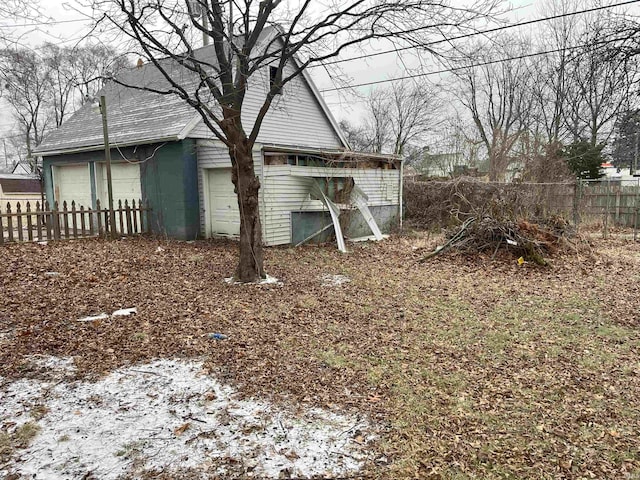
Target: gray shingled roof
x=134, y=116
x=138, y=117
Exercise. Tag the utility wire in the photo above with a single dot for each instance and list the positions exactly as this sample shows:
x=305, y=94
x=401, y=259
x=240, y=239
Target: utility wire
x=50, y=22
x=473, y=34
x=472, y=65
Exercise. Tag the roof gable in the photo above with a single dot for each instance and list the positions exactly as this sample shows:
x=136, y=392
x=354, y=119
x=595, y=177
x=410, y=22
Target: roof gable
x=137, y=116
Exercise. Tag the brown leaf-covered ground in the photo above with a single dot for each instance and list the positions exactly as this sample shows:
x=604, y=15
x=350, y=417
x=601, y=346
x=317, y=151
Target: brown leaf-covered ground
x=473, y=367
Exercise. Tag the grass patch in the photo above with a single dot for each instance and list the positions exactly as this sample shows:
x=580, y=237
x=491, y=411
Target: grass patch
x=17, y=439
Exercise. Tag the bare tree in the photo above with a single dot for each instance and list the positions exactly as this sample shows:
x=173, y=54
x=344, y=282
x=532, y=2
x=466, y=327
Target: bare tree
x=92, y=66
x=378, y=121
x=600, y=84
x=43, y=88
x=27, y=86
x=396, y=117
x=14, y=12
x=58, y=62
x=248, y=37
x=551, y=85
x=498, y=98
x=356, y=136
x=415, y=111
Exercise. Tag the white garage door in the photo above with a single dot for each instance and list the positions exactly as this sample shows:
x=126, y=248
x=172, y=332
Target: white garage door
x=72, y=183
x=223, y=203
x=125, y=183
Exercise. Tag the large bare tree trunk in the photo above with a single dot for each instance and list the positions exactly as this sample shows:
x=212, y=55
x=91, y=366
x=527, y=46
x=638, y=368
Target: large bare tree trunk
x=250, y=265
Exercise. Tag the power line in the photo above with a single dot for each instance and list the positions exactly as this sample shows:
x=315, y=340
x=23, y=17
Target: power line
x=50, y=22
x=473, y=65
x=473, y=34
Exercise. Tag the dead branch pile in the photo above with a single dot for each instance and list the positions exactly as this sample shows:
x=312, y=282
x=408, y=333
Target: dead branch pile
x=533, y=240
x=430, y=204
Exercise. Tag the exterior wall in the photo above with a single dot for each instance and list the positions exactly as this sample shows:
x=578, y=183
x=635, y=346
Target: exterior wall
x=286, y=189
x=168, y=176
x=79, y=158
x=169, y=181
x=14, y=198
x=295, y=118
x=213, y=154
x=305, y=223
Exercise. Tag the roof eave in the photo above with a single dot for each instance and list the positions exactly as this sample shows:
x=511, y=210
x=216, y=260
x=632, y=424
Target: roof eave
x=93, y=148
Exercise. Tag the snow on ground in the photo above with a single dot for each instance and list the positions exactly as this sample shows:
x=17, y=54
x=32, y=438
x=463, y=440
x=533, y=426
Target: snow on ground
x=169, y=415
x=123, y=312
x=329, y=280
x=269, y=280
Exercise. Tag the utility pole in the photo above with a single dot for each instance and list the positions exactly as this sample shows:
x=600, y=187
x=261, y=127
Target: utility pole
x=205, y=25
x=107, y=154
x=6, y=158
x=635, y=156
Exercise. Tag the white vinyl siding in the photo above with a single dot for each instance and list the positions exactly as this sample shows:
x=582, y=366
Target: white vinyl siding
x=294, y=119
x=72, y=183
x=286, y=189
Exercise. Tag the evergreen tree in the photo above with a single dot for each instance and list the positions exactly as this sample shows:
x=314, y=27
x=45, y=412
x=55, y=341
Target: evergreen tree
x=584, y=159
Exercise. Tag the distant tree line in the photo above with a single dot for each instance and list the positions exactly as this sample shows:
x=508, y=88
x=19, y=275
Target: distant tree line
x=531, y=115
x=43, y=87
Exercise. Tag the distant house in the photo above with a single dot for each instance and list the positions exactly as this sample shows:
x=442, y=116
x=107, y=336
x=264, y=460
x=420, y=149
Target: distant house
x=15, y=188
x=21, y=168
x=618, y=175
x=164, y=154
x=442, y=164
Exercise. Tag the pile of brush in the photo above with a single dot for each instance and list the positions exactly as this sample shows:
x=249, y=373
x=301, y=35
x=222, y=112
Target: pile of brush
x=532, y=239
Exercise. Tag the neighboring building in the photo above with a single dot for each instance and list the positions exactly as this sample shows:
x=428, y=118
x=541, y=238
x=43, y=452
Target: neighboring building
x=618, y=175
x=164, y=154
x=441, y=164
x=20, y=189
x=21, y=168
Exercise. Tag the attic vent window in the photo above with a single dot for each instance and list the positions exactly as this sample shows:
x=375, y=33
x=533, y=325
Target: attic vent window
x=273, y=75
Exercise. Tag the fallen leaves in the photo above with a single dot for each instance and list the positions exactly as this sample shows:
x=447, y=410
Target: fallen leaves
x=478, y=367
x=181, y=429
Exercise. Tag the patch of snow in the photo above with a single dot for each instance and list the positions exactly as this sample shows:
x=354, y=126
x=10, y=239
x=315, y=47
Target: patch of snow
x=93, y=318
x=54, y=364
x=43, y=243
x=270, y=281
x=265, y=281
x=169, y=415
x=334, y=280
x=159, y=250
x=124, y=312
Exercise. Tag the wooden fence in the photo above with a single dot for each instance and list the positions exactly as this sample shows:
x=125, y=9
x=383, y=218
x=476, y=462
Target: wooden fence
x=51, y=223
x=612, y=203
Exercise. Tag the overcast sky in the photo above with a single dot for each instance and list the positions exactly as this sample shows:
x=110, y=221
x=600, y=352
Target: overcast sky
x=342, y=105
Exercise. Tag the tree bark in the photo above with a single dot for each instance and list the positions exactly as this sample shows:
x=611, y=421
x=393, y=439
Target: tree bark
x=247, y=185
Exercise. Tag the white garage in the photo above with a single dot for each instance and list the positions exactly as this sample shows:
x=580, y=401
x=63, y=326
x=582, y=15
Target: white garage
x=125, y=183
x=73, y=183
x=224, y=216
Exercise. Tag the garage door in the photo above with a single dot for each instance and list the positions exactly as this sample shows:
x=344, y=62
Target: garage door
x=72, y=183
x=125, y=183
x=223, y=203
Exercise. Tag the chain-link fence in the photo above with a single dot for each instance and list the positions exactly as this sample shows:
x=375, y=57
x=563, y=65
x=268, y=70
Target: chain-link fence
x=596, y=204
